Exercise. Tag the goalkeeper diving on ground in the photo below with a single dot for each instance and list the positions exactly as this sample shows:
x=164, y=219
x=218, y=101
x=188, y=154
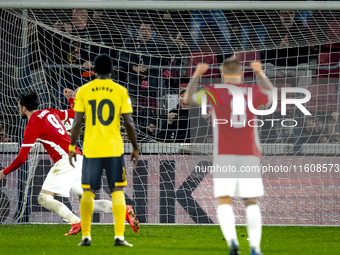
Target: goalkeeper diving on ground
x=45, y=126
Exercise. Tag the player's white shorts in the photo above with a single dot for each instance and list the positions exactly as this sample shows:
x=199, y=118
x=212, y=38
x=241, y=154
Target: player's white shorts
x=237, y=184
x=63, y=177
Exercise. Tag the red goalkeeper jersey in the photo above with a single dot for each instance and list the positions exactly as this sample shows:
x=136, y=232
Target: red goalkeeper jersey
x=45, y=126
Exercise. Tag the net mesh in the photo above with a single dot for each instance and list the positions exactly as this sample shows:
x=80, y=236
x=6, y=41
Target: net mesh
x=154, y=54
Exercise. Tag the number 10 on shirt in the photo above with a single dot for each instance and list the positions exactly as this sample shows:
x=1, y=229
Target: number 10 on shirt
x=98, y=111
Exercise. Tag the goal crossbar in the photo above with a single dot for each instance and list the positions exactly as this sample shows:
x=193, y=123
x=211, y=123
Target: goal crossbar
x=172, y=5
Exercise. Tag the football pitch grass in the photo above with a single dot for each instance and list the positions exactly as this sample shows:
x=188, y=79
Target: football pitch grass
x=167, y=239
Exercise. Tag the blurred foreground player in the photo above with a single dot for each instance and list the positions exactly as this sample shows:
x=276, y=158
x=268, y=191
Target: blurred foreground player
x=235, y=144
x=103, y=101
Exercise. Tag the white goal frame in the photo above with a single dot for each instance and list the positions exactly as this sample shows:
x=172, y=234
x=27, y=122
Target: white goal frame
x=172, y=5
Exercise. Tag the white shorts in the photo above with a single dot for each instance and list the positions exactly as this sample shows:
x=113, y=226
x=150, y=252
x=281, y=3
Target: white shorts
x=63, y=177
x=240, y=183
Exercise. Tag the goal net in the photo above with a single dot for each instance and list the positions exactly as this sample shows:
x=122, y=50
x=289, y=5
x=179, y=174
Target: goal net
x=154, y=55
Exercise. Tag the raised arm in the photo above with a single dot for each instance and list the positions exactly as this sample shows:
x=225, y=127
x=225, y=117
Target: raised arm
x=261, y=78
x=131, y=132
x=70, y=95
x=193, y=84
x=69, y=113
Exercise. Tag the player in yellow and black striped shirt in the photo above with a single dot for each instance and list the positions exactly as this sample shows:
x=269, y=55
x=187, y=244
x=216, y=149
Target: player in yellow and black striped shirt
x=103, y=101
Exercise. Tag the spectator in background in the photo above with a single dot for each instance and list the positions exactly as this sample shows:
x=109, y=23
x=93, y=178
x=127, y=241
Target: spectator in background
x=183, y=125
x=142, y=60
x=304, y=15
x=320, y=133
x=217, y=19
x=167, y=27
x=315, y=130
x=137, y=59
x=171, y=27
x=331, y=127
x=3, y=134
x=75, y=52
x=107, y=29
x=309, y=135
x=332, y=122
x=176, y=128
x=334, y=138
x=289, y=58
x=245, y=22
x=173, y=23
x=319, y=19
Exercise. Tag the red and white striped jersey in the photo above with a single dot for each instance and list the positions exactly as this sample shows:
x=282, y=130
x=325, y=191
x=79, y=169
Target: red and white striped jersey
x=46, y=127
x=234, y=135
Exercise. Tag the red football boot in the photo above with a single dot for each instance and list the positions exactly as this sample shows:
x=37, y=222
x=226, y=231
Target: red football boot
x=132, y=219
x=75, y=229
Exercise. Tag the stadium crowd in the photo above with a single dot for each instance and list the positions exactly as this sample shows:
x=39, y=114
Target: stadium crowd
x=153, y=55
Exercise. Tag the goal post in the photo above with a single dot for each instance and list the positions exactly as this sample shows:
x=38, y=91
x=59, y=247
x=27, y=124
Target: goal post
x=155, y=46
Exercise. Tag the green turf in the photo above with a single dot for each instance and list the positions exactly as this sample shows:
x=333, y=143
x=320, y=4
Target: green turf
x=156, y=240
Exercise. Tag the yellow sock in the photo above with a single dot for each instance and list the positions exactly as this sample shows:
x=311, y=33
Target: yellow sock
x=86, y=211
x=119, y=211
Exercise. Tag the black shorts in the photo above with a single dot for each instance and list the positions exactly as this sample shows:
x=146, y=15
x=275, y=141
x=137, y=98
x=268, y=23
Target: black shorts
x=93, y=168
